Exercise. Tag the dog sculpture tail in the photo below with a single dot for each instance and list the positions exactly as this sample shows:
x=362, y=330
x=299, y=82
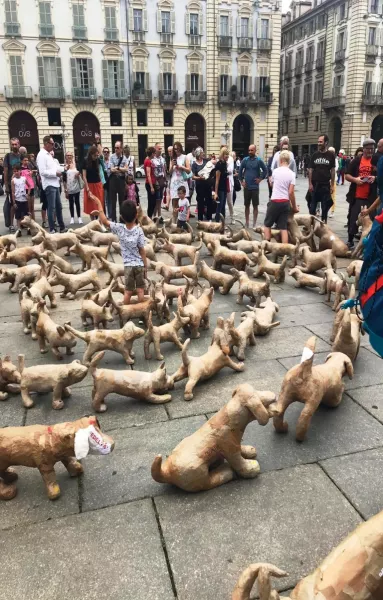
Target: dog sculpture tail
x=94, y=362
x=157, y=471
x=262, y=572
x=185, y=358
x=82, y=335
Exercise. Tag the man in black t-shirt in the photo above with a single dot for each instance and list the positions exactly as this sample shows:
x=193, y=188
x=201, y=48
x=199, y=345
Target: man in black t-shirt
x=321, y=177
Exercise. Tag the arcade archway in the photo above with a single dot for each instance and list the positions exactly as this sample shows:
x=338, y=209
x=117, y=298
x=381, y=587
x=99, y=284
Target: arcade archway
x=194, y=132
x=23, y=125
x=377, y=128
x=85, y=126
x=335, y=133
x=243, y=134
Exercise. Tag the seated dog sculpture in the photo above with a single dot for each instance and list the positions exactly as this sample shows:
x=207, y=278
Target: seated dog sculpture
x=42, y=446
x=253, y=289
x=9, y=378
x=346, y=333
x=141, y=385
x=73, y=283
x=305, y=280
x=217, y=279
x=48, y=331
x=354, y=269
x=197, y=311
x=21, y=275
x=312, y=386
x=329, y=240
x=198, y=462
x=337, y=284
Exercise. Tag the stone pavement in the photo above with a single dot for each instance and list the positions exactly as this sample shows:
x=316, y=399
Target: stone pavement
x=115, y=533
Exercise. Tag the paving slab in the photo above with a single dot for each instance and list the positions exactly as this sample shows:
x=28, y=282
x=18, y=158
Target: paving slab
x=291, y=296
x=115, y=553
x=122, y=412
x=12, y=413
x=371, y=399
x=126, y=472
x=305, y=314
x=32, y=505
x=228, y=539
x=359, y=478
x=324, y=330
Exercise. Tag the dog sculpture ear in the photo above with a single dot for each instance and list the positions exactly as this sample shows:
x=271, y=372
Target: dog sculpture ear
x=308, y=357
x=348, y=366
x=256, y=407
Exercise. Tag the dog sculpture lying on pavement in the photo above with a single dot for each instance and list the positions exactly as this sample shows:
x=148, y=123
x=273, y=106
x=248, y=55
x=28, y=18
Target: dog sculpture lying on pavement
x=197, y=463
x=42, y=446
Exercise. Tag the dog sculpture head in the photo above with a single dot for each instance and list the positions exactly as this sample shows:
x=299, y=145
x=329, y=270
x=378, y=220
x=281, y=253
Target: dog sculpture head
x=259, y=403
x=8, y=371
x=160, y=381
x=77, y=370
x=347, y=363
x=89, y=439
x=39, y=238
x=7, y=275
x=132, y=332
x=56, y=276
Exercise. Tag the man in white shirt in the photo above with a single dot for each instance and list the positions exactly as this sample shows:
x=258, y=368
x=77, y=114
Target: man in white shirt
x=284, y=145
x=50, y=173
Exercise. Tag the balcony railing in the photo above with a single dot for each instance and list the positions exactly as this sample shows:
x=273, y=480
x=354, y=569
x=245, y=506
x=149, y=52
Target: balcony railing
x=166, y=39
x=289, y=73
x=246, y=98
x=112, y=34
x=80, y=33
x=309, y=66
x=319, y=63
x=373, y=99
x=18, y=92
x=52, y=93
x=306, y=107
x=245, y=43
x=372, y=50
x=335, y=99
x=142, y=95
x=138, y=36
x=243, y=98
x=115, y=94
x=340, y=55
x=264, y=44
x=84, y=94
x=265, y=97
x=194, y=40
x=225, y=42
x=195, y=97
x=168, y=96
x=12, y=29
x=298, y=70
x=286, y=111
x=46, y=31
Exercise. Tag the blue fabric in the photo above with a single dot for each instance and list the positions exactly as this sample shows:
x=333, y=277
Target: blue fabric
x=221, y=205
x=252, y=169
x=54, y=206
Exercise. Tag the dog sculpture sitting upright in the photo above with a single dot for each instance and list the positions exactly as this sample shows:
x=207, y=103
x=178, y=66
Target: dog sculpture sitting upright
x=163, y=333
x=312, y=386
x=9, y=378
x=48, y=331
x=42, y=446
x=197, y=311
x=196, y=464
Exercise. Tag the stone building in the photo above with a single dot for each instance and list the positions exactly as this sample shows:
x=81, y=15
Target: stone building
x=141, y=71
x=332, y=73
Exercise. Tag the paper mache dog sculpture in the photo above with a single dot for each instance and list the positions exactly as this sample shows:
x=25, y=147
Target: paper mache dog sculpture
x=9, y=378
x=198, y=462
x=322, y=384
x=352, y=571
x=42, y=446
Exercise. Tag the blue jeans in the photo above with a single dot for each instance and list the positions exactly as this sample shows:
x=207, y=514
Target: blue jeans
x=221, y=205
x=54, y=206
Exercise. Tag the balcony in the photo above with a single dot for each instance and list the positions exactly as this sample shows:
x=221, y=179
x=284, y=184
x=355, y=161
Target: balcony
x=84, y=94
x=195, y=97
x=372, y=50
x=245, y=43
x=115, y=94
x=80, y=33
x=286, y=111
x=298, y=70
x=319, y=63
x=111, y=34
x=225, y=42
x=141, y=95
x=138, y=36
x=12, y=29
x=166, y=39
x=52, y=93
x=246, y=98
x=336, y=99
x=289, y=73
x=264, y=44
x=265, y=97
x=306, y=107
x=15, y=93
x=168, y=96
x=340, y=55
x=309, y=66
x=46, y=31
x=194, y=40
x=372, y=95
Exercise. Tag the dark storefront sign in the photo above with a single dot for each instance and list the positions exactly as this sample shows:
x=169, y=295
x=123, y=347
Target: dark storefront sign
x=58, y=147
x=23, y=126
x=85, y=126
x=194, y=132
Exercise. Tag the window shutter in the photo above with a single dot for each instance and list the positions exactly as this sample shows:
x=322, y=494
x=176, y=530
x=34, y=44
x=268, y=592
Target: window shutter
x=345, y=40
x=105, y=73
x=188, y=82
x=144, y=20
x=174, y=82
x=270, y=29
x=230, y=25
x=367, y=34
x=159, y=21
x=121, y=72
x=131, y=19
x=238, y=27
x=73, y=66
x=229, y=82
x=147, y=81
x=59, y=72
x=187, y=23
x=342, y=80
x=200, y=82
x=249, y=84
x=40, y=68
x=160, y=81
x=172, y=21
x=259, y=28
x=200, y=23
x=90, y=72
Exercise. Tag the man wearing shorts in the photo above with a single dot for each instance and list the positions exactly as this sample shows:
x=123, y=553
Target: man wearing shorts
x=282, y=198
x=251, y=172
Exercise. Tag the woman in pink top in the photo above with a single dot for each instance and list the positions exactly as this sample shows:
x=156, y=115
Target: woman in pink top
x=30, y=184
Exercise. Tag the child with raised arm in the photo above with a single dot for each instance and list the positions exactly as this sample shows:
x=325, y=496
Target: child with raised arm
x=132, y=243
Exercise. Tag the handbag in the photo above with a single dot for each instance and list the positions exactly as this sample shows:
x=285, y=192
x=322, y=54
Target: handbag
x=1, y=190
x=237, y=184
x=7, y=211
x=186, y=176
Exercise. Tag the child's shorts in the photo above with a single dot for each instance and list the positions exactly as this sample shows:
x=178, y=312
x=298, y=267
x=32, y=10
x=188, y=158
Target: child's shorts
x=21, y=210
x=182, y=224
x=278, y=213
x=134, y=278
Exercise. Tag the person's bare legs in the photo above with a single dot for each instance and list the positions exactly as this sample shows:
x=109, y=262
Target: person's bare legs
x=247, y=215
x=267, y=233
x=284, y=236
x=255, y=215
x=127, y=296
x=175, y=211
x=140, y=294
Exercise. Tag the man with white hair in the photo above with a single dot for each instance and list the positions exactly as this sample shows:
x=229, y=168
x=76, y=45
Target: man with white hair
x=284, y=145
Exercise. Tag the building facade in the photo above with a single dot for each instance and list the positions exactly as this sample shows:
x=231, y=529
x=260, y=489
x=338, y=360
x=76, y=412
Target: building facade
x=203, y=72
x=332, y=73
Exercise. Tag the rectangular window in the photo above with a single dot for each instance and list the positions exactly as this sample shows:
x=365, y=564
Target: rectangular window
x=244, y=27
x=243, y=85
x=194, y=24
x=263, y=85
x=110, y=17
x=17, y=75
x=137, y=19
x=316, y=123
x=142, y=117
x=167, y=82
x=340, y=41
x=83, y=73
x=338, y=81
x=45, y=13
x=165, y=22
x=115, y=117
x=194, y=82
x=223, y=84
x=299, y=59
x=310, y=54
x=318, y=91
x=78, y=15
x=112, y=74
x=54, y=117
x=117, y=137
x=168, y=119
x=342, y=12
x=10, y=11
x=374, y=7
x=296, y=126
x=142, y=140
x=224, y=26
x=50, y=72
x=320, y=49
x=372, y=36
x=140, y=78
x=264, y=29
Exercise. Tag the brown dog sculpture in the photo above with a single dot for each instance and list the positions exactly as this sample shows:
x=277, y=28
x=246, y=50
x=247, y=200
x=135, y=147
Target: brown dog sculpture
x=312, y=386
x=275, y=250
x=241, y=336
x=212, y=227
x=117, y=340
x=179, y=251
x=224, y=256
x=8, y=242
x=177, y=238
x=27, y=309
x=197, y=311
x=253, y=289
x=41, y=288
x=88, y=253
x=346, y=333
x=49, y=378
x=354, y=269
x=141, y=385
x=306, y=280
x=329, y=240
x=98, y=315
x=337, y=284
x=114, y=270
x=263, y=316
x=264, y=265
x=48, y=331
x=31, y=224
x=73, y=283
x=100, y=238
x=313, y=261
x=61, y=263
x=9, y=379
x=21, y=256
x=198, y=463
x=55, y=241
x=365, y=223
x=92, y=225
x=19, y=276
x=163, y=333
x=139, y=310
x=42, y=446
x=247, y=246
x=169, y=272
x=217, y=279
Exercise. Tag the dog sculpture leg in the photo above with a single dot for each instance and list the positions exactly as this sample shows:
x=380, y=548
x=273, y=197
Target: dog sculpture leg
x=219, y=476
x=8, y=489
x=127, y=354
x=52, y=299
x=49, y=477
x=235, y=366
x=282, y=405
x=69, y=351
x=73, y=467
x=41, y=341
x=248, y=452
x=98, y=402
x=157, y=347
x=156, y=399
x=26, y=399
x=304, y=421
x=245, y=467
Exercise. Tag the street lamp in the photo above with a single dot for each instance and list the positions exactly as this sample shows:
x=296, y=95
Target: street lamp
x=226, y=133
x=64, y=134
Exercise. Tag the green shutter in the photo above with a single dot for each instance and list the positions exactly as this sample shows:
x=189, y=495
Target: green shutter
x=40, y=68
x=172, y=21
x=73, y=66
x=105, y=73
x=59, y=73
x=174, y=82
x=121, y=71
x=90, y=72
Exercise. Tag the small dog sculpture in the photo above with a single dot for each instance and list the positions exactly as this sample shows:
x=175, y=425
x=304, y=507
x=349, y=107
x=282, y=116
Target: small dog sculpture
x=224, y=256
x=172, y=291
x=100, y=238
x=31, y=224
x=200, y=368
x=21, y=256
x=198, y=463
x=88, y=253
x=245, y=246
x=98, y=315
x=198, y=312
x=163, y=333
x=337, y=284
x=141, y=385
x=149, y=249
x=92, y=225
x=55, y=241
x=217, y=279
x=49, y=378
x=163, y=311
x=346, y=334
x=241, y=336
x=73, y=283
x=42, y=446
x=313, y=261
x=177, y=238
x=179, y=251
x=329, y=240
x=26, y=305
x=8, y=242
x=211, y=227
x=42, y=288
x=139, y=310
x=365, y=223
x=305, y=280
x=264, y=265
x=253, y=289
x=312, y=386
x=117, y=340
x=114, y=270
x=354, y=269
x=61, y=263
x=169, y=273
x=20, y=276
x=263, y=316
x=9, y=379
x=48, y=331
x=282, y=250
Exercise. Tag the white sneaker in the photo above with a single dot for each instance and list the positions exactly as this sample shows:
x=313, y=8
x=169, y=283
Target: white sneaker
x=71, y=221
x=80, y=220
x=331, y=215
x=232, y=221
